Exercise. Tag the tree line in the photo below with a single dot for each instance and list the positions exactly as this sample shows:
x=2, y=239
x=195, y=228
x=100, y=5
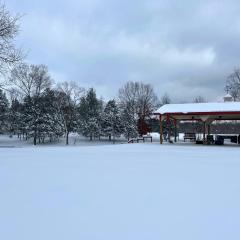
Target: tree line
x=33, y=107
x=40, y=110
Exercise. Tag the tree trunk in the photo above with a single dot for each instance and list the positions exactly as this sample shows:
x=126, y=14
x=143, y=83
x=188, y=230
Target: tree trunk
x=35, y=139
x=113, y=136
x=67, y=138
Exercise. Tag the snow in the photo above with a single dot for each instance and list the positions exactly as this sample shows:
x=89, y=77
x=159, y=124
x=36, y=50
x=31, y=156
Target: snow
x=74, y=140
x=228, y=96
x=199, y=107
x=128, y=191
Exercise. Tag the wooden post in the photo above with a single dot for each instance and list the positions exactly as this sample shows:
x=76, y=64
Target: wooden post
x=175, y=130
x=161, y=129
x=209, y=129
x=204, y=131
x=169, y=127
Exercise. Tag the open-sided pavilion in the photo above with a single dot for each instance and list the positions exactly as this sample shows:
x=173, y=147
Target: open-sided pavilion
x=204, y=112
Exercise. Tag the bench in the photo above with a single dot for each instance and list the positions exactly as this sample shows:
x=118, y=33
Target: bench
x=139, y=139
x=146, y=137
x=132, y=140
x=135, y=140
x=190, y=136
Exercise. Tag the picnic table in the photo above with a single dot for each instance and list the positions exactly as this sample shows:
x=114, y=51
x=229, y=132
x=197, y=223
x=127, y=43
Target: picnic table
x=190, y=136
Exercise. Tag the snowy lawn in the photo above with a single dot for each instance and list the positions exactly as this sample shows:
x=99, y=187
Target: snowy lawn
x=131, y=191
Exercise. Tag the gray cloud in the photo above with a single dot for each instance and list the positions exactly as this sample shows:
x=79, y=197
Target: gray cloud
x=185, y=48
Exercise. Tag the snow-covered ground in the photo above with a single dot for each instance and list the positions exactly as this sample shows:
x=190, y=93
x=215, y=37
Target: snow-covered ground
x=127, y=191
x=74, y=140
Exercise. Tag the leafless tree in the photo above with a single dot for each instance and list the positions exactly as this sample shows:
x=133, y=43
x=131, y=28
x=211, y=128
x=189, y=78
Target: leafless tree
x=31, y=80
x=199, y=99
x=69, y=97
x=14, y=94
x=41, y=78
x=165, y=99
x=233, y=84
x=9, y=28
x=140, y=97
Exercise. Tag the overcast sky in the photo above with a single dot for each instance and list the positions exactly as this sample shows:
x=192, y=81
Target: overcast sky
x=185, y=48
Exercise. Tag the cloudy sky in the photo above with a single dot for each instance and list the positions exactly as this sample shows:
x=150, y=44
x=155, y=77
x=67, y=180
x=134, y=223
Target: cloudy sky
x=183, y=48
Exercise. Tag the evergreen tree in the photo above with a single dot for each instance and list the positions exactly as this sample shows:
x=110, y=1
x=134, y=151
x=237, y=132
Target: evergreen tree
x=51, y=124
x=112, y=122
x=90, y=110
x=41, y=117
x=15, y=117
x=32, y=117
x=4, y=104
x=129, y=121
x=67, y=110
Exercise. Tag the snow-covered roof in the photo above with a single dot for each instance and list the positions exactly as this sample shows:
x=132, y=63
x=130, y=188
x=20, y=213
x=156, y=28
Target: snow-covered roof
x=199, y=108
x=227, y=96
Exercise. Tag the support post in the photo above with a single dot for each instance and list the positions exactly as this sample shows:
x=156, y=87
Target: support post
x=161, y=129
x=175, y=130
x=169, y=128
x=204, y=131
x=209, y=129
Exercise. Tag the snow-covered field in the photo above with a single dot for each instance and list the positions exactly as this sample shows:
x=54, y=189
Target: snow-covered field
x=120, y=192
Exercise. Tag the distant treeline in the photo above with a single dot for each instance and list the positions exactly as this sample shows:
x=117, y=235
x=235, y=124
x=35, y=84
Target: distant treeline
x=35, y=108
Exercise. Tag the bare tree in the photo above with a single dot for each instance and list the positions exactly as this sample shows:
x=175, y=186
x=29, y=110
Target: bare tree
x=140, y=101
x=31, y=80
x=165, y=99
x=140, y=96
x=14, y=94
x=69, y=97
x=41, y=78
x=233, y=84
x=9, y=28
x=199, y=99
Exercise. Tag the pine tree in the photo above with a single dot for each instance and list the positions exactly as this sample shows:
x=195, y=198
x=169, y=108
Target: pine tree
x=90, y=115
x=4, y=104
x=51, y=124
x=31, y=117
x=15, y=117
x=42, y=118
x=129, y=122
x=112, y=122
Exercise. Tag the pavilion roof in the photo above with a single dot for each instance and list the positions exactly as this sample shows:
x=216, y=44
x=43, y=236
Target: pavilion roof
x=200, y=108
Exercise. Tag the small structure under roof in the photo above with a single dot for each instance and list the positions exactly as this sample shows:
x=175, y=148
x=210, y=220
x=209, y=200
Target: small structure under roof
x=228, y=98
x=205, y=112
